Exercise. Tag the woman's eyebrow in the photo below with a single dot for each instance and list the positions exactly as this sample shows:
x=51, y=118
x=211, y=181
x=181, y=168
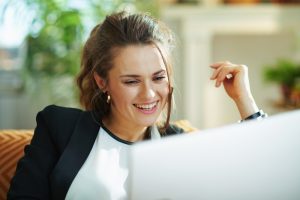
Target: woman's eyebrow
x=159, y=72
x=163, y=71
x=129, y=76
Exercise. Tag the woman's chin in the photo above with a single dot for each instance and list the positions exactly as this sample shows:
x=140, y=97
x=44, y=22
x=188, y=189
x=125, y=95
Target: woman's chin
x=147, y=122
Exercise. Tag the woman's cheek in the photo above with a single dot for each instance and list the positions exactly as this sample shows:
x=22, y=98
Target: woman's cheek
x=165, y=92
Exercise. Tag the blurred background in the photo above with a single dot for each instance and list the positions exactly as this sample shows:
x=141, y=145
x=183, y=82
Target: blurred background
x=41, y=41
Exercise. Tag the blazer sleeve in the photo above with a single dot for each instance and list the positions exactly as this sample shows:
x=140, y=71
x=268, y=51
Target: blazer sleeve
x=31, y=180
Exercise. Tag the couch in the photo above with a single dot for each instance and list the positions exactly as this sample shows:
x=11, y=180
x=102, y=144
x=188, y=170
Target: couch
x=12, y=143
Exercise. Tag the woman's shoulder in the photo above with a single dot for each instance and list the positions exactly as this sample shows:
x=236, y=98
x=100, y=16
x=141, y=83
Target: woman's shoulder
x=58, y=123
x=174, y=129
x=55, y=115
x=180, y=126
x=53, y=109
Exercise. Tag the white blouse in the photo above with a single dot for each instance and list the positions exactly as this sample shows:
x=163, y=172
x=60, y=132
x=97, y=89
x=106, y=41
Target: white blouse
x=105, y=171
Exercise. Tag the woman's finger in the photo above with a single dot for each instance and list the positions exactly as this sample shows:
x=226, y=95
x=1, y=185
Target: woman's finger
x=219, y=69
x=215, y=73
x=219, y=64
x=222, y=75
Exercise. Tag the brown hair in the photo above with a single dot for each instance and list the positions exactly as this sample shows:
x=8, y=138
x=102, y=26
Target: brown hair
x=119, y=30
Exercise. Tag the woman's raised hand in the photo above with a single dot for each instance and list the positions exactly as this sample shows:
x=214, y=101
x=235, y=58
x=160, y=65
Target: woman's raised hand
x=236, y=83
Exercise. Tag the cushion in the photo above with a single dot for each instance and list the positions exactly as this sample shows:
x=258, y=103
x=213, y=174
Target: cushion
x=12, y=144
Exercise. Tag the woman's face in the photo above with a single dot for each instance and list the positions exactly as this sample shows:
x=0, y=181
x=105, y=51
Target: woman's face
x=138, y=85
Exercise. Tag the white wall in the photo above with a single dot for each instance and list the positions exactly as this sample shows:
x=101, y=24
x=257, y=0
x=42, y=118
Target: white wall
x=254, y=36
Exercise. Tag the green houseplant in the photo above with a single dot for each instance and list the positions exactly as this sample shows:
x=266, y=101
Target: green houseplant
x=52, y=33
x=53, y=50
x=286, y=74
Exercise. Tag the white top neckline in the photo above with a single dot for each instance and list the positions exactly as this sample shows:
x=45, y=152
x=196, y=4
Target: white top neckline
x=104, y=175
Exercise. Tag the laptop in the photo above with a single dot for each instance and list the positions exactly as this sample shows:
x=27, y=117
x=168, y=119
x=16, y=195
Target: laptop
x=255, y=160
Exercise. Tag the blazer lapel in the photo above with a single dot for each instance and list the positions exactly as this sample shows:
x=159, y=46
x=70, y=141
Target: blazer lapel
x=74, y=155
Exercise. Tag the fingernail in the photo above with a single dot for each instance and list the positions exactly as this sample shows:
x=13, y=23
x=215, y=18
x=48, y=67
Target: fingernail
x=229, y=76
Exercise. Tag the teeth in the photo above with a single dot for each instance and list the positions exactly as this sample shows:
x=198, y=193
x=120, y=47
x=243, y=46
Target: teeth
x=146, y=106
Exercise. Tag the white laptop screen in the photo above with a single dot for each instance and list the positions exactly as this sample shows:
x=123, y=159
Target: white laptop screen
x=253, y=160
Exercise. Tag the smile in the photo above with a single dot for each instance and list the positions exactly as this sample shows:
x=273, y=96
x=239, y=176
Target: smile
x=146, y=106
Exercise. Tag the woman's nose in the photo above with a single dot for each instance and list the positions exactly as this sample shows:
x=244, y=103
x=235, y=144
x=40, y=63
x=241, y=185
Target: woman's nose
x=148, y=91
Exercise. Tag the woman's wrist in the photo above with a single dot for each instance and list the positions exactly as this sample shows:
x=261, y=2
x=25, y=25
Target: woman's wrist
x=258, y=115
x=246, y=106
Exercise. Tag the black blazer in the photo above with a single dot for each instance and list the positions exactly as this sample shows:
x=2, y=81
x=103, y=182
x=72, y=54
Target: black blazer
x=60, y=145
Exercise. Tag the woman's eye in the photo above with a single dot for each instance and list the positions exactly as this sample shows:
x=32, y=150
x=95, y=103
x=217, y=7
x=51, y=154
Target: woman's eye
x=158, y=78
x=130, y=82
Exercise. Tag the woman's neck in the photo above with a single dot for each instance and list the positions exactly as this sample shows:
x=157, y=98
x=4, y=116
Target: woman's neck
x=124, y=131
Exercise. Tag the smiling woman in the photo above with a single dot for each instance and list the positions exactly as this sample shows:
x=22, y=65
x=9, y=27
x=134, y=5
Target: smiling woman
x=138, y=87
x=125, y=87
x=134, y=49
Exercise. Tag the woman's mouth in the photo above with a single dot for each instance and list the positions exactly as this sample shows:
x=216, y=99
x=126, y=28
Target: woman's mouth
x=147, y=108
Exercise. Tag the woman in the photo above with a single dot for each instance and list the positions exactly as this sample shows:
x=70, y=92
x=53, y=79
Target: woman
x=125, y=87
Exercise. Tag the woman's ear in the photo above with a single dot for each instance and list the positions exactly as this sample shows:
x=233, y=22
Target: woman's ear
x=100, y=81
